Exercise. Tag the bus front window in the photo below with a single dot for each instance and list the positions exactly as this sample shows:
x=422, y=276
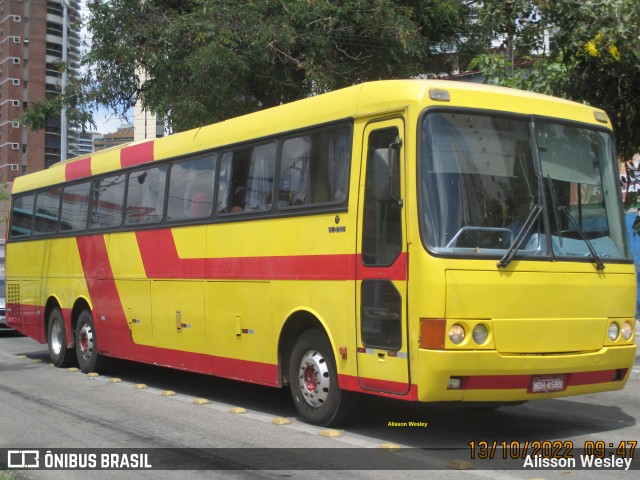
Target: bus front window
x=482, y=192
x=478, y=183
x=581, y=183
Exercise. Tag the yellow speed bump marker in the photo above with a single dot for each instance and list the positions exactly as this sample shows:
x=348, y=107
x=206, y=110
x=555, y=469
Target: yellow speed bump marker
x=201, y=401
x=389, y=447
x=460, y=465
x=168, y=393
x=140, y=386
x=93, y=374
x=73, y=369
x=281, y=421
x=36, y=360
x=238, y=410
x=115, y=380
x=331, y=433
x=22, y=356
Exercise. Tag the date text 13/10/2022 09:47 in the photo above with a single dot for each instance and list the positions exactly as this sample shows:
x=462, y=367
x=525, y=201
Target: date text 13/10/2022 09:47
x=553, y=454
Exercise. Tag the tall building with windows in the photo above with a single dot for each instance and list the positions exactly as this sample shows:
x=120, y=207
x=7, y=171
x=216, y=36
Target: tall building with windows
x=81, y=143
x=145, y=124
x=32, y=44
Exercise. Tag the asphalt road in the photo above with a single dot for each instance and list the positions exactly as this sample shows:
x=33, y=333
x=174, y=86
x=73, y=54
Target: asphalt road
x=42, y=407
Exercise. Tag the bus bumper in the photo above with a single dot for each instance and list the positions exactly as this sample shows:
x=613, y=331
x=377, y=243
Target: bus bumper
x=488, y=376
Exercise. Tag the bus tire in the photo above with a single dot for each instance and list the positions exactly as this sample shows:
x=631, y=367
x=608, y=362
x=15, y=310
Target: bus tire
x=313, y=380
x=61, y=356
x=87, y=343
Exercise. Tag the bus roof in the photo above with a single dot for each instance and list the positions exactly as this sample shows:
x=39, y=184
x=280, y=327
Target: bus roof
x=352, y=102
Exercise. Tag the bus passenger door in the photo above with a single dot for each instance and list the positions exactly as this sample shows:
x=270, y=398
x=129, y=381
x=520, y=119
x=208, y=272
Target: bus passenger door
x=381, y=268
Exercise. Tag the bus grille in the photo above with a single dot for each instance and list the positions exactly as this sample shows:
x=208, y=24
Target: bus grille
x=13, y=299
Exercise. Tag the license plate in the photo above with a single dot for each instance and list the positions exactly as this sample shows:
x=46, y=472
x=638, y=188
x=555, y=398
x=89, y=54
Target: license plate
x=547, y=384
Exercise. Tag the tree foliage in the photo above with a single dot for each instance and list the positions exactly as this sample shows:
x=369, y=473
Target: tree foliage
x=200, y=61
x=596, y=57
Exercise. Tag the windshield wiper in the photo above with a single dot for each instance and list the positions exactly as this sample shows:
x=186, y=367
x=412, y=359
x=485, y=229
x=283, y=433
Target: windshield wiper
x=522, y=234
x=596, y=258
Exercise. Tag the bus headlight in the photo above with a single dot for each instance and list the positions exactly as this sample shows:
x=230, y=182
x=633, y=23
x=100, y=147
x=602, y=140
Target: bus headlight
x=456, y=334
x=614, y=331
x=480, y=334
x=627, y=330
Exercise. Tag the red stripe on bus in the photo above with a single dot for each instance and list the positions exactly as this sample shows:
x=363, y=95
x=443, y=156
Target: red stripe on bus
x=232, y=368
x=114, y=336
x=136, y=154
x=498, y=382
x=506, y=382
x=161, y=260
x=383, y=388
x=78, y=169
x=600, y=376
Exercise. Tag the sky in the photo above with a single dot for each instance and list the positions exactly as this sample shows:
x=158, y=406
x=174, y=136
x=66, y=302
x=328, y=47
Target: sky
x=106, y=122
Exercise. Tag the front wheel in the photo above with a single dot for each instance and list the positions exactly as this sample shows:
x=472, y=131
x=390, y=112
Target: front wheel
x=60, y=354
x=313, y=380
x=87, y=344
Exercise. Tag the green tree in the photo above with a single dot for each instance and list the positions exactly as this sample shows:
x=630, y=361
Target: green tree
x=596, y=58
x=207, y=60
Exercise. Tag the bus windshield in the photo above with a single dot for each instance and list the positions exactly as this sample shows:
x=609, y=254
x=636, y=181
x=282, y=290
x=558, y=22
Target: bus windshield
x=495, y=185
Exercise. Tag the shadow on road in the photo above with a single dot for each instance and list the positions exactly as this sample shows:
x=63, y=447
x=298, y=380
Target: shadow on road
x=393, y=420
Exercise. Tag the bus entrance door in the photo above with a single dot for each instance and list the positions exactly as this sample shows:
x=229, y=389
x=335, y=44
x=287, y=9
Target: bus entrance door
x=382, y=349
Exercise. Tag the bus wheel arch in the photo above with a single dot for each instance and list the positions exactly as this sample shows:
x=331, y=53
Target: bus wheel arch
x=297, y=323
x=308, y=365
x=313, y=380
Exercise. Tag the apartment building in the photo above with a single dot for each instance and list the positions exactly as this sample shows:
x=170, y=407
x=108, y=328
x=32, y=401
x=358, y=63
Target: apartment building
x=32, y=44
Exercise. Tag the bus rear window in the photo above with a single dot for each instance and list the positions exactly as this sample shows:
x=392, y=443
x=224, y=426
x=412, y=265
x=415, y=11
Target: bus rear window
x=22, y=216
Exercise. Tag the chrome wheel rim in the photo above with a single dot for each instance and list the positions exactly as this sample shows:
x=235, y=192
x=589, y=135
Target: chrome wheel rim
x=86, y=342
x=57, y=337
x=315, y=381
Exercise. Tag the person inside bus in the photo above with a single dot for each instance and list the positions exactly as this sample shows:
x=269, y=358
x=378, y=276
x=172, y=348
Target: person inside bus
x=201, y=205
x=239, y=200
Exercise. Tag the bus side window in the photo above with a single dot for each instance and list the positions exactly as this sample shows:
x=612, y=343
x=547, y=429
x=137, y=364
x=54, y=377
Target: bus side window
x=47, y=212
x=246, y=179
x=191, y=188
x=22, y=216
x=145, y=196
x=75, y=205
x=260, y=178
x=107, y=199
x=315, y=168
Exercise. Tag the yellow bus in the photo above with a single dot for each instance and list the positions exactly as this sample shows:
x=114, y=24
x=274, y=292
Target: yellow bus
x=422, y=240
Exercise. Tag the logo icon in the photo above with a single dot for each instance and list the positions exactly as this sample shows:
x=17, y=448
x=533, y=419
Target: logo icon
x=23, y=459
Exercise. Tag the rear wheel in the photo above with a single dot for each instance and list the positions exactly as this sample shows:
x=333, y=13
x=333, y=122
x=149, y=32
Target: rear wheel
x=60, y=354
x=313, y=380
x=87, y=344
